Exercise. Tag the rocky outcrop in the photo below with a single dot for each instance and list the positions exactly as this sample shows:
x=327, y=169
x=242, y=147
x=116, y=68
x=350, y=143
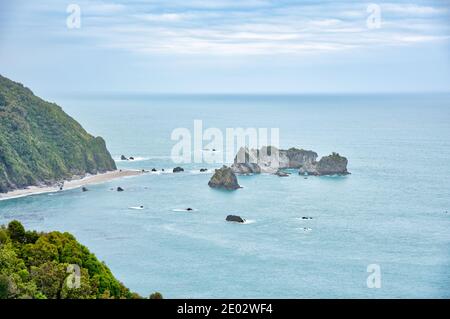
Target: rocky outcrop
x=178, y=169
x=333, y=164
x=270, y=160
x=224, y=178
x=123, y=158
x=234, y=218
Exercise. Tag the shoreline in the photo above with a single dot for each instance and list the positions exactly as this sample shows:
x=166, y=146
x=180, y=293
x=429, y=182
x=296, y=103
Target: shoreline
x=72, y=184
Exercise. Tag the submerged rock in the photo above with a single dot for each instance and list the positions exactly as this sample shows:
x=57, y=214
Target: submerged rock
x=234, y=218
x=224, y=178
x=178, y=169
x=84, y=189
x=280, y=173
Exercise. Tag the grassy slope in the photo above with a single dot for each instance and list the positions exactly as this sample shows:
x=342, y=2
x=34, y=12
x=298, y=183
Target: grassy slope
x=39, y=143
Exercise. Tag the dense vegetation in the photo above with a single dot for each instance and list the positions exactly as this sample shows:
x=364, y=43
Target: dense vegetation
x=40, y=144
x=35, y=265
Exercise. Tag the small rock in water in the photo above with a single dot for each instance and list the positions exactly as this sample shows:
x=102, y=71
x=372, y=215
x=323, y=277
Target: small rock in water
x=188, y=209
x=154, y=170
x=84, y=189
x=131, y=158
x=123, y=158
x=163, y=169
x=234, y=218
x=120, y=189
x=280, y=173
x=178, y=169
x=305, y=217
x=203, y=169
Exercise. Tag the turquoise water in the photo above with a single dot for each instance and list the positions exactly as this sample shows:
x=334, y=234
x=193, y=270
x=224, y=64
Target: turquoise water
x=390, y=211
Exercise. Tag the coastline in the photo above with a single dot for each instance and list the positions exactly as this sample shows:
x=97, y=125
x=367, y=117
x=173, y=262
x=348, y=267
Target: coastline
x=72, y=184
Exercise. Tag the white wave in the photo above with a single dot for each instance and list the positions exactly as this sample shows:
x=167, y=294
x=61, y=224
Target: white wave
x=136, y=207
x=142, y=158
x=197, y=171
x=184, y=210
x=249, y=221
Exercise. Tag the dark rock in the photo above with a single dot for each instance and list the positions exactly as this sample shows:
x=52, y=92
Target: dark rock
x=178, y=169
x=333, y=164
x=189, y=209
x=162, y=170
x=120, y=189
x=224, y=178
x=131, y=158
x=280, y=173
x=304, y=217
x=84, y=189
x=154, y=170
x=203, y=169
x=234, y=218
x=123, y=158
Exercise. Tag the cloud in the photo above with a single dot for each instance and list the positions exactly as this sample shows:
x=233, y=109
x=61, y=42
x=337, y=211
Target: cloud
x=249, y=27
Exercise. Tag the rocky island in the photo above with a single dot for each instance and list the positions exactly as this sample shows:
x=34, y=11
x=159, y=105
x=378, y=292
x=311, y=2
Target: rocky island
x=40, y=144
x=224, y=178
x=269, y=159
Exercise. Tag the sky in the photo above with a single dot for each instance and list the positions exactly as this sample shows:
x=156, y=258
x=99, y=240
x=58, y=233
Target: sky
x=226, y=46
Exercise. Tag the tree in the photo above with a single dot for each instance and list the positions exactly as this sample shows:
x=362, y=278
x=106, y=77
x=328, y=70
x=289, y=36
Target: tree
x=16, y=231
x=4, y=286
x=156, y=295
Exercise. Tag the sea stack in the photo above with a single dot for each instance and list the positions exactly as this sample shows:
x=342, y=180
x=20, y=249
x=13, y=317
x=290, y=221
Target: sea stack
x=224, y=178
x=333, y=164
x=269, y=159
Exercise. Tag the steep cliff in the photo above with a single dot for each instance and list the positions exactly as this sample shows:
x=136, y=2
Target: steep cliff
x=40, y=144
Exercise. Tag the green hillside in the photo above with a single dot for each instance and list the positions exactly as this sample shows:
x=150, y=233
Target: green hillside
x=40, y=144
x=35, y=265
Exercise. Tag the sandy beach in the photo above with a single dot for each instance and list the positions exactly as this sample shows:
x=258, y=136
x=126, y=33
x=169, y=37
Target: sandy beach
x=74, y=183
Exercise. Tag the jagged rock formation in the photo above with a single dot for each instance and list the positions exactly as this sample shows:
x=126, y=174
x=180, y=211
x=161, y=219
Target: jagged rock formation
x=333, y=164
x=270, y=160
x=224, y=178
x=40, y=144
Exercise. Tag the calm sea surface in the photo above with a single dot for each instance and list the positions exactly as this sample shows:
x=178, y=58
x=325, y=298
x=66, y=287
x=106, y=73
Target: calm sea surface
x=391, y=211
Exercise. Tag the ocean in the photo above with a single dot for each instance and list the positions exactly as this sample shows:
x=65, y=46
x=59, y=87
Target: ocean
x=391, y=212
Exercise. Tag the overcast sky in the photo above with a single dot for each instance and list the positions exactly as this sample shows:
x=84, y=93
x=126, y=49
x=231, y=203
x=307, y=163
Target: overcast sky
x=226, y=46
